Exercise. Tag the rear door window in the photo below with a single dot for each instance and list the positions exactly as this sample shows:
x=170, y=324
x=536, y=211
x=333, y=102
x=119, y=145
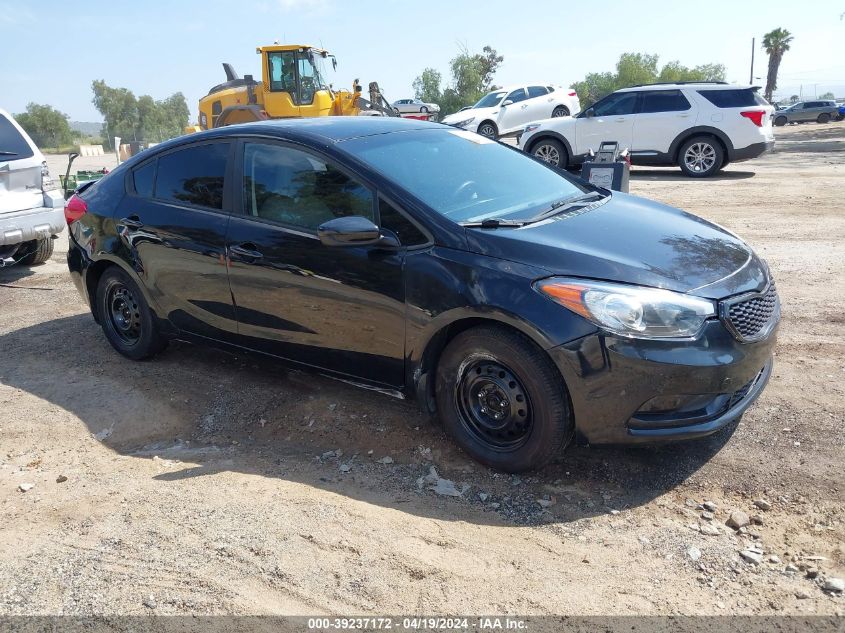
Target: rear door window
x=13, y=146
x=194, y=175
x=536, y=91
x=664, y=101
x=733, y=97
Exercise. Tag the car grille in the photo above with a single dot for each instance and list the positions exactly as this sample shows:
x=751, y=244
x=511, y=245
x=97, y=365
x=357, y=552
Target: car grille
x=752, y=319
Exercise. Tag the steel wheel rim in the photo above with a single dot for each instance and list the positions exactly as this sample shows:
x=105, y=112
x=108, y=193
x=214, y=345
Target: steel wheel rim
x=548, y=153
x=493, y=406
x=700, y=157
x=124, y=314
x=487, y=130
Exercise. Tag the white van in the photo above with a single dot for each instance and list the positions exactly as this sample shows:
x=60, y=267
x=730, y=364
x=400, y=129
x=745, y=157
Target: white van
x=31, y=204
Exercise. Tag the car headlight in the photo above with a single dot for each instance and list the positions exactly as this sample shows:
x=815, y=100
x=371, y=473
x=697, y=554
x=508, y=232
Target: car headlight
x=463, y=123
x=631, y=311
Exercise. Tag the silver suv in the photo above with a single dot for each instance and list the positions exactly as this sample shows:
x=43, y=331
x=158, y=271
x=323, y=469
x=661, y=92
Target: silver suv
x=31, y=204
x=821, y=111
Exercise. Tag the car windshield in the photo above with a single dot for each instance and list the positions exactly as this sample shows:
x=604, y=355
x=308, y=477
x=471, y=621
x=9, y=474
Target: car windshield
x=490, y=100
x=464, y=176
x=13, y=146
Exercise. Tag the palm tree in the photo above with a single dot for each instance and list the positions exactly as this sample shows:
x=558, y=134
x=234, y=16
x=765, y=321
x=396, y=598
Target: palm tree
x=776, y=43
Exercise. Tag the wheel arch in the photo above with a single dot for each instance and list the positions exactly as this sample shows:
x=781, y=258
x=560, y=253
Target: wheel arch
x=428, y=348
x=94, y=273
x=701, y=130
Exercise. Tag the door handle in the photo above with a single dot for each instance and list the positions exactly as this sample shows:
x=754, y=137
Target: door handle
x=132, y=222
x=523, y=107
x=621, y=120
x=246, y=251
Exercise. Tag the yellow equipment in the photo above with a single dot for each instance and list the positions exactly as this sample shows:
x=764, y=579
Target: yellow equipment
x=292, y=85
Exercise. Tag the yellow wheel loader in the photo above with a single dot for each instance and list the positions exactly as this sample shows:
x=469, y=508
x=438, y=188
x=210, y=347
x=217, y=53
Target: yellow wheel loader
x=292, y=85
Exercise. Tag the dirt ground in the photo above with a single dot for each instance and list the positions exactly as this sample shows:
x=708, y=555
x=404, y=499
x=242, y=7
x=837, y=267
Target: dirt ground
x=204, y=482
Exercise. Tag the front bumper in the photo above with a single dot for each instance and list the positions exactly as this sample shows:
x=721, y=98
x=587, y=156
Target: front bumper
x=30, y=224
x=752, y=151
x=613, y=382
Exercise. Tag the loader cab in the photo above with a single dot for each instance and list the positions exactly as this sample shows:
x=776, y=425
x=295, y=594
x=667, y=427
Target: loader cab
x=294, y=83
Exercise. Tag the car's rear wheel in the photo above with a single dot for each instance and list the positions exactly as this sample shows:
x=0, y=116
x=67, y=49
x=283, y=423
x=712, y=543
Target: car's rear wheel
x=780, y=121
x=550, y=151
x=488, y=129
x=560, y=111
x=126, y=319
x=700, y=157
x=824, y=117
x=40, y=251
x=502, y=399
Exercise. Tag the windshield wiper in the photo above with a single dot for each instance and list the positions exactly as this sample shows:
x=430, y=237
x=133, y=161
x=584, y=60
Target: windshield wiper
x=562, y=205
x=2, y=153
x=493, y=223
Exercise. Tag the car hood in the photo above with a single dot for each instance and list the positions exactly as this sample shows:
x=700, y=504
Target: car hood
x=468, y=114
x=632, y=240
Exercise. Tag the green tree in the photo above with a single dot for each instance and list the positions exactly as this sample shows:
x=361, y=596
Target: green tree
x=427, y=86
x=827, y=95
x=471, y=77
x=775, y=43
x=46, y=126
x=641, y=68
x=139, y=119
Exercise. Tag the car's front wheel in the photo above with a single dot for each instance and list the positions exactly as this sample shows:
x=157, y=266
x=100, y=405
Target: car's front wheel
x=125, y=317
x=550, y=151
x=488, y=129
x=824, y=117
x=780, y=121
x=502, y=399
x=700, y=157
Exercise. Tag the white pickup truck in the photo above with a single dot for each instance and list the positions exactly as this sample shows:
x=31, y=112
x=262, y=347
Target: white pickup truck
x=31, y=203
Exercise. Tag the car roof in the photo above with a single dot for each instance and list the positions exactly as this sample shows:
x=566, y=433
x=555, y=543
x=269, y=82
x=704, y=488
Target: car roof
x=703, y=85
x=328, y=129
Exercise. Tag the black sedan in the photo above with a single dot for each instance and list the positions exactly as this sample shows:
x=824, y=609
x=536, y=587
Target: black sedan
x=519, y=304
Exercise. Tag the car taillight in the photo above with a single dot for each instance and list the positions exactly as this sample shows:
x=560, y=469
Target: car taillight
x=755, y=116
x=572, y=93
x=75, y=208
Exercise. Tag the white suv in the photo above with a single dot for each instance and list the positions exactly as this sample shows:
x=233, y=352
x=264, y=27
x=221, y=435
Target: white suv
x=700, y=127
x=31, y=205
x=506, y=110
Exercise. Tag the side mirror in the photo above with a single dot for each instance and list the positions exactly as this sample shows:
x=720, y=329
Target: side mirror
x=590, y=113
x=507, y=102
x=352, y=230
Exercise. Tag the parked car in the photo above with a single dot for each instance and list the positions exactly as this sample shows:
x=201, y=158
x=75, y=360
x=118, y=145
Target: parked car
x=820, y=111
x=30, y=201
x=522, y=305
x=700, y=127
x=841, y=110
x=507, y=110
x=411, y=106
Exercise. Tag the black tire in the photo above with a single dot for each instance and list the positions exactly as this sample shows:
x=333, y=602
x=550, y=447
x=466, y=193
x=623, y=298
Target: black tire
x=488, y=129
x=560, y=111
x=424, y=110
x=492, y=371
x=701, y=156
x=780, y=121
x=824, y=117
x=41, y=251
x=126, y=319
x=551, y=151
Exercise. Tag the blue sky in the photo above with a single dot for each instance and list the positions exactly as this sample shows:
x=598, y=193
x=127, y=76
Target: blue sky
x=53, y=50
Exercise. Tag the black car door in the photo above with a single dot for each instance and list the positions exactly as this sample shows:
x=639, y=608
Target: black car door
x=341, y=308
x=173, y=223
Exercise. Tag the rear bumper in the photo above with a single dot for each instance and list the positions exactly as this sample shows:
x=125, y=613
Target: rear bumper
x=30, y=224
x=619, y=387
x=752, y=151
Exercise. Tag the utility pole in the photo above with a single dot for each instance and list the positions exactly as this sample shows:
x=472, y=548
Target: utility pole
x=751, y=77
